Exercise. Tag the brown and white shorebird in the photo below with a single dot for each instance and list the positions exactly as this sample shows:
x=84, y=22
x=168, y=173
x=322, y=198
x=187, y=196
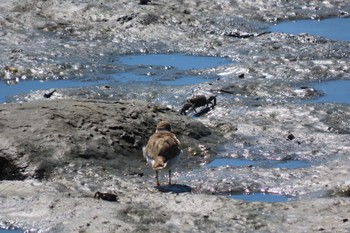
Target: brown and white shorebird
x=163, y=149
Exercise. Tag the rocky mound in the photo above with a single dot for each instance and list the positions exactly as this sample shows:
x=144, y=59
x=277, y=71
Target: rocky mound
x=37, y=137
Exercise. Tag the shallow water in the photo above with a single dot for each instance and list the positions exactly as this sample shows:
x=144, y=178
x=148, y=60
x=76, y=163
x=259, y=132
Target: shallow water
x=171, y=80
x=178, y=61
x=289, y=164
x=260, y=197
x=148, y=69
x=334, y=28
x=337, y=91
x=28, y=86
x=166, y=69
x=231, y=162
x=10, y=231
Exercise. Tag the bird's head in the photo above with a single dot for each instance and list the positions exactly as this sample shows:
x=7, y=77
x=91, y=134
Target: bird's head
x=163, y=126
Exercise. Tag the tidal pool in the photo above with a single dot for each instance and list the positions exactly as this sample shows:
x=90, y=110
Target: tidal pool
x=148, y=69
x=260, y=197
x=175, y=80
x=337, y=91
x=334, y=28
x=178, y=61
x=167, y=69
x=10, y=231
x=289, y=164
x=27, y=86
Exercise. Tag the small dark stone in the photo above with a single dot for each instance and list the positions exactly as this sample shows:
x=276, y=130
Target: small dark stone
x=134, y=115
x=133, y=173
x=291, y=137
x=128, y=138
x=287, y=158
x=51, y=206
x=48, y=95
x=9, y=171
x=39, y=174
x=106, y=196
x=187, y=12
x=345, y=220
x=241, y=75
x=144, y=2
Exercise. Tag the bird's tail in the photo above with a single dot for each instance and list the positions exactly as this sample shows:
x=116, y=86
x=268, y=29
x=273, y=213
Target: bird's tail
x=159, y=163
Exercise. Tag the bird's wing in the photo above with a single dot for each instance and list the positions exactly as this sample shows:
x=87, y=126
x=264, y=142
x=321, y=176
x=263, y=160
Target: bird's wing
x=163, y=144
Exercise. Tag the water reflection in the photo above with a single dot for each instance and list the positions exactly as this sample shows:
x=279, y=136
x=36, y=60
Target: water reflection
x=337, y=91
x=175, y=80
x=166, y=69
x=28, y=86
x=148, y=69
x=178, y=61
x=10, y=231
x=335, y=28
x=288, y=164
x=261, y=197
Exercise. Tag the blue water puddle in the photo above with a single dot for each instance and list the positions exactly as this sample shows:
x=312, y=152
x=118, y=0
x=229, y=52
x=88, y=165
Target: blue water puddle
x=261, y=197
x=231, y=162
x=185, y=80
x=334, y=28
x=167, y=69
x=178, y=61
x=27, y=86
x=290, y=164
x=234, y=162
x=158, y=69
x=337, y=91
x=10, y=231
x=129, y=77
x=175, y=80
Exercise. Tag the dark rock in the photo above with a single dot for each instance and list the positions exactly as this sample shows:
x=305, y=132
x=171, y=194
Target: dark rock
x=9, y=171
x=290, y=137
x=106, y=196
x=86, y=130
x=147, y=19
x=144, y=2
x=49, y=94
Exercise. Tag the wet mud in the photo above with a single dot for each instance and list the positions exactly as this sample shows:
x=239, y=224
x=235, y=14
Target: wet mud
x=56, y=153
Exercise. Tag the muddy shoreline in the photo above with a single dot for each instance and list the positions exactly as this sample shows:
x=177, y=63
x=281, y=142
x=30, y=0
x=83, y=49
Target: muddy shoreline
x=56, y=153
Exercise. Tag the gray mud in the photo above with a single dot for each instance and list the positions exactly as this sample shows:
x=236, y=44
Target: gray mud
x=56, y=153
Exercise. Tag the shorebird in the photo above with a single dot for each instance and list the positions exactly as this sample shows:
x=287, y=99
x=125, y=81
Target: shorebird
x=163, y=149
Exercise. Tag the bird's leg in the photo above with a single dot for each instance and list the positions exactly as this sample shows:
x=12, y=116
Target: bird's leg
x=193, y=108
x=169, y=177
x=158, y=184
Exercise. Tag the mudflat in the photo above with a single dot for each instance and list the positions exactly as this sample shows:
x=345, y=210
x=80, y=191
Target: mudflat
x=56, y=153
